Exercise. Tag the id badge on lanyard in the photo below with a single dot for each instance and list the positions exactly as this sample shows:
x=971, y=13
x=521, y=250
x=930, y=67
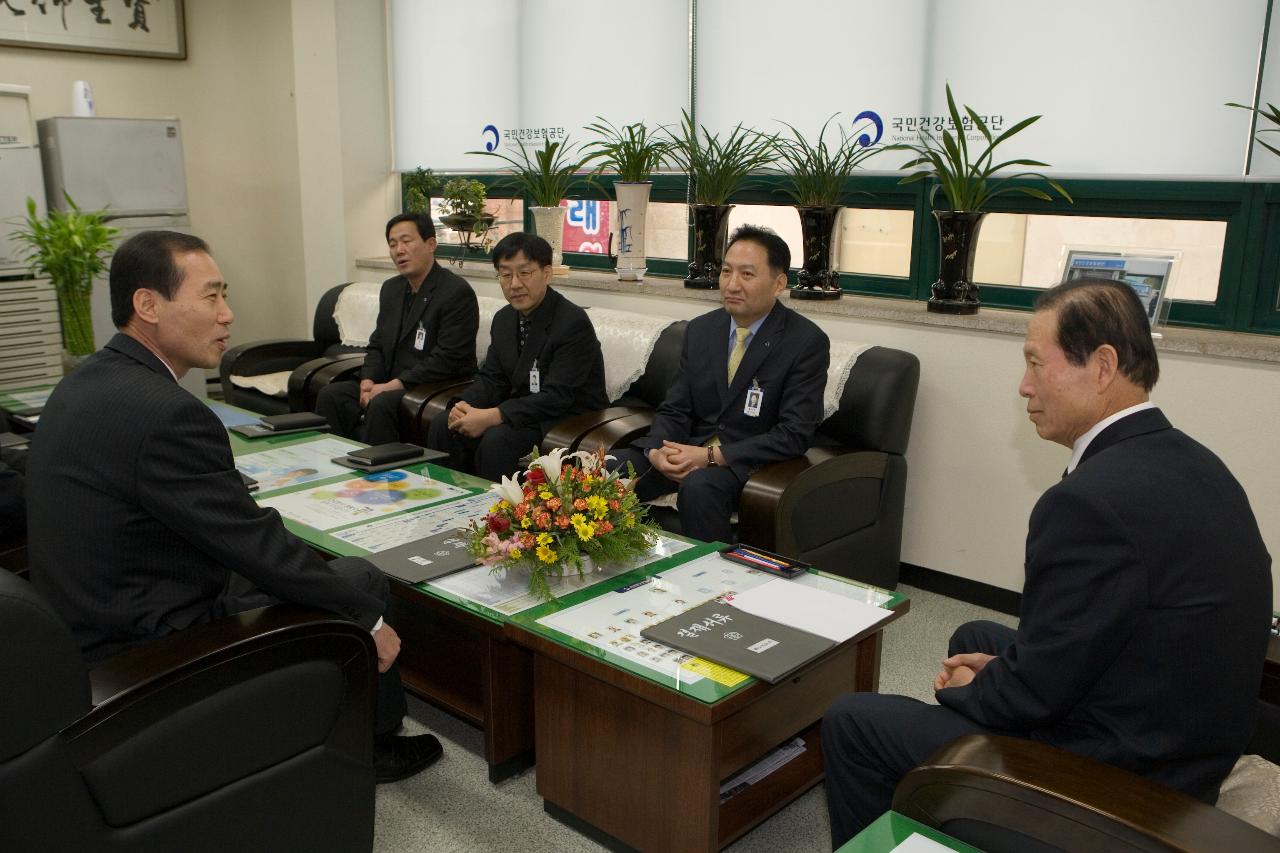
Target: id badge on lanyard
x=419, y=338
x=535, y=379
x=755, y=400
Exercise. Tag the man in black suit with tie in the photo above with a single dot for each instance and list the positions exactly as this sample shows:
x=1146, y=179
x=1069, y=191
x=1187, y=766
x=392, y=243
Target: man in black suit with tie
x=1146, y=606
x=544, y=364
x=426, y=331
x=749, y=392
x=139, y=523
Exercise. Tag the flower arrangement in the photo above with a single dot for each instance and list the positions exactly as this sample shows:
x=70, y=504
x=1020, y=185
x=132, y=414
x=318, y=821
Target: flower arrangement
x=555, y=514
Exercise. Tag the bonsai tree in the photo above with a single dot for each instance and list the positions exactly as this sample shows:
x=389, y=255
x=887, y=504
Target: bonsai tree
x=464, y=199
x=718, y=168
x=547, y=174
x=417, y=187
x=969, y=183
x=70, y=247
x=631, y=150
x=816, y=172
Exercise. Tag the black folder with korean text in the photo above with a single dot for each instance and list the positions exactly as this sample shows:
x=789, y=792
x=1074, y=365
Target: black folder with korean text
x=427, y=558
x=739, y=640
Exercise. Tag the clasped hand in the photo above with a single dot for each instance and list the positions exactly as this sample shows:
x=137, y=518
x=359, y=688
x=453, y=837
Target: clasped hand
x=959, y=670
x=674, y=461
x=370, y=389
x=472, y=422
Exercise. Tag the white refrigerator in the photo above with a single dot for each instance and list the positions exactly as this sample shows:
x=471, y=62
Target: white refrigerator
x=132, y=168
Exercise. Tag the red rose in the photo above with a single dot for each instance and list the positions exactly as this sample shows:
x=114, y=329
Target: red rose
x=498, y=523
x=535, y=477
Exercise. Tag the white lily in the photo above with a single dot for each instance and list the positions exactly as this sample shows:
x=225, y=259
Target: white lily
x=551, y=463
x=509, y=490
x=590, y=461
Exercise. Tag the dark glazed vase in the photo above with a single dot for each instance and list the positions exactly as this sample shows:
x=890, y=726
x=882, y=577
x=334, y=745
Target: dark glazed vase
x=817, y=280
x=710, y=230
x=955, y=291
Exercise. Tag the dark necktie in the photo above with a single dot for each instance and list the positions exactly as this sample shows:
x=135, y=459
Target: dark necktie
x=523, y=331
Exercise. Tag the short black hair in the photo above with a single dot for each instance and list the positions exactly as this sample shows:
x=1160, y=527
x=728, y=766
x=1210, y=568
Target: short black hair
x=1096, y=311
x=426, y=228
x=148, y=260
x=534, y=248
x=775, y=248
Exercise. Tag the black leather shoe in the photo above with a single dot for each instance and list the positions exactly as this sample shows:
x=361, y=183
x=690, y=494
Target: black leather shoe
x=399, y=757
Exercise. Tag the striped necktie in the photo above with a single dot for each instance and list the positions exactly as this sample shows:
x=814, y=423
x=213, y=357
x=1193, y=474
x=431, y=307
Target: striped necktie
x=739, y=350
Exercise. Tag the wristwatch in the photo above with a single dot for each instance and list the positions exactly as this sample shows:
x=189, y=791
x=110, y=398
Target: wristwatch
x=711, y=457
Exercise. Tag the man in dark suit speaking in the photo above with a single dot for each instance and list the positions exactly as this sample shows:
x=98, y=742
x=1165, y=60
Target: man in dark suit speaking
x=1146, y=605
x=543, y=364
x=426, y=331
x=749, y=392
x=139, y=523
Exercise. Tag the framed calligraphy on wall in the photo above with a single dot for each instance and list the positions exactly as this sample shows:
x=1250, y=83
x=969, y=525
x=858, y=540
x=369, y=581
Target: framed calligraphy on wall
x=132, y=27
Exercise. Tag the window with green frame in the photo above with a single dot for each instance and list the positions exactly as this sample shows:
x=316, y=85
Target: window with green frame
x=1247, y=293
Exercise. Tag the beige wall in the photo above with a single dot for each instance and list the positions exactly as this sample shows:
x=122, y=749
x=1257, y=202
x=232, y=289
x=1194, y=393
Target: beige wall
x=254, y=190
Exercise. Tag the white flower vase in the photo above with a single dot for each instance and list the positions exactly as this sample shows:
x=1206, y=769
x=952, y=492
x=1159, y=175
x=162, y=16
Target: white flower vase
x=548, y=222
x=633, y=206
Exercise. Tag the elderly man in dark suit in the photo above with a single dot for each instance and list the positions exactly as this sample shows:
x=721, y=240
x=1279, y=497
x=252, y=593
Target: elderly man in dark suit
x=139, y=524
x=426, y=331
x=749, y=392
x=544, y=364
x=1146, y=605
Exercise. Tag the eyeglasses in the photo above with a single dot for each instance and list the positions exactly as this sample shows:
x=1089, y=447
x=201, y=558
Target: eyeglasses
x=524, y=275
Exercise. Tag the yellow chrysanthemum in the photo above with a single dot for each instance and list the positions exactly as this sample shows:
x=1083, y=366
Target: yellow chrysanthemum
x=545, y=494
x=515, y=553
x=599, y=506
x=545, y=539
x=585, y=530
x=546, y=555
x=577, y=518
x=526, y=521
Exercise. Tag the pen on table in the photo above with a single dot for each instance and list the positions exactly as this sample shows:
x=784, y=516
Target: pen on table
x=768, y=557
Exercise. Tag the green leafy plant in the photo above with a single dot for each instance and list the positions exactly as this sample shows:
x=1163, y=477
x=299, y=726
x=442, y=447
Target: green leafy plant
x=631, y=150
x=70, y=247
x=465, y=197
x=417, y=187
x=1271, y=114
x=547, y=174
x=970, y=184
x=816, y=172
x=718, y=168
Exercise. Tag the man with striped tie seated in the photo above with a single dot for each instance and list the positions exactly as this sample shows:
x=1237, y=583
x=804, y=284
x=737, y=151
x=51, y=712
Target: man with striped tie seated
x=749, y=392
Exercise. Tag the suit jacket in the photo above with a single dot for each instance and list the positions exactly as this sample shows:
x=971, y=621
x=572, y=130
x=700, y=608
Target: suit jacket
x=446, y=307
x=787, y=358
x=137, y=514
x=1145, y=613
x=563, y=343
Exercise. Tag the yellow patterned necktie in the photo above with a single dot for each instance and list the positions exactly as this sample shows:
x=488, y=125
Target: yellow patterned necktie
x=739, y=350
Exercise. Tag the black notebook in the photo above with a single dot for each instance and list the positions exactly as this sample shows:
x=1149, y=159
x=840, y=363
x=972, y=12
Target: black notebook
x=427, y=558
x=722, y=633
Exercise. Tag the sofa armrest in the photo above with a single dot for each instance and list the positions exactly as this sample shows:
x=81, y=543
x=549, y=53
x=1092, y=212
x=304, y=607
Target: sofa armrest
x=618, y=432
x=1006, y=788
x=423, y=402
x=266, y=357
x=115, y=678
x=771, y=494
x=308, y=378
x=568, y=433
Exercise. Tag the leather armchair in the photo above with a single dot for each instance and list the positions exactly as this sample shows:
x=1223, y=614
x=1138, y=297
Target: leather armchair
x=1010, y=794
x=312, y=364
x=253, y=730
x=638, y=401
x=840, y=506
